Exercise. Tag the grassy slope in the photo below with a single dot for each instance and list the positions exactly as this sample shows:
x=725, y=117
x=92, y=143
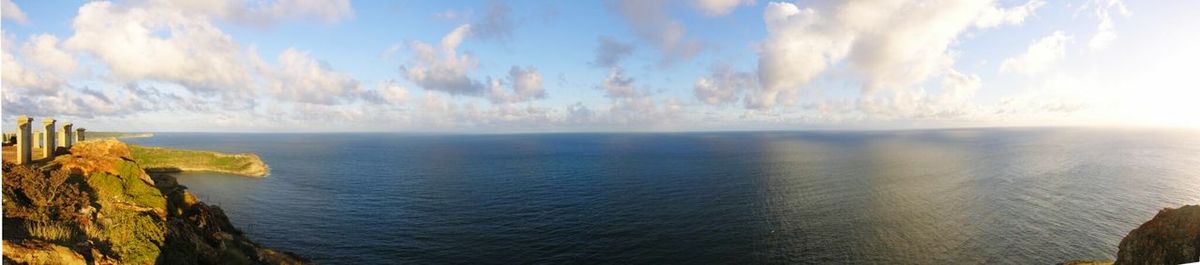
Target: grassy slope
x=54, y=210
x=166, y=159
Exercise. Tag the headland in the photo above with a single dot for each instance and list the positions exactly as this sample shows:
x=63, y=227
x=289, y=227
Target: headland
x=94, y=204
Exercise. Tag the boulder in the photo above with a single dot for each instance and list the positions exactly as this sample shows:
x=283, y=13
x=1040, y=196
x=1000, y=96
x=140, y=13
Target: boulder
x=106, y=156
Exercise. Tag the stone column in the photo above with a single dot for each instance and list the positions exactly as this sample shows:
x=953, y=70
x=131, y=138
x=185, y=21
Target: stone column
x=24, y=140
x=48, y=151
x=38, y=138
x=79, y=135
x=64, y=137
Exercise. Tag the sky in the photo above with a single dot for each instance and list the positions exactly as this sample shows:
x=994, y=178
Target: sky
x=549, y=66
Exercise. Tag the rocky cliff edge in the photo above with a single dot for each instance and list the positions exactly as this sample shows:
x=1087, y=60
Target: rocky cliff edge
x=95, y=205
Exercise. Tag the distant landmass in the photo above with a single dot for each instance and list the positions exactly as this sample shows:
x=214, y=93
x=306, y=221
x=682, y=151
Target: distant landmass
x=117, y=135
x=168, y=160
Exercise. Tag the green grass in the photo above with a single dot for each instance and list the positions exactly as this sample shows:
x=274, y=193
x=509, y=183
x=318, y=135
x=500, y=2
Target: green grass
x=127, y=187
x=53, y=232
x=157, y=158
x=51, y=208
x=135, y=236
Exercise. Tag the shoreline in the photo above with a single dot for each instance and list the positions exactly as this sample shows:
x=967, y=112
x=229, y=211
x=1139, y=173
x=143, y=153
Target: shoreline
x=163, y=160
x=117, y=135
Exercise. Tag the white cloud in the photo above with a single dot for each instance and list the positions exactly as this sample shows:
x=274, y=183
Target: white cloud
x=261, y=13
x=328, y=11
x=630, y=104
x=77, y=102
x=617, y=85
x=797, y=48
x=958, y=88
x=635, y=109
x=580, y=114
x=19, y=76
x=723, y=85
x=1056, y=95
x=442, y=68
x=992, y=16
x=10, y=11
x=1106, y=32
x=176, y=43
x=526, y=85
x=892, y=45
x=388, y=92
x=951, y=102
x=1039, y=56
x=650, y=21
x=44, y=50
x=716, y=8
x=301, y=78
x=137, y=43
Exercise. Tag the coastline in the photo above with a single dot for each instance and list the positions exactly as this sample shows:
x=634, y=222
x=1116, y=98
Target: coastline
x=117, y=135
x=94, y=204
x=155, y=159
x=165, y=160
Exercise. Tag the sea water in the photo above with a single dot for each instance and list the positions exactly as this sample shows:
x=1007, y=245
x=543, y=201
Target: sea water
x=961, y=196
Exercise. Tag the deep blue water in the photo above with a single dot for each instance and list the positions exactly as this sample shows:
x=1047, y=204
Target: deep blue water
x=969, y=196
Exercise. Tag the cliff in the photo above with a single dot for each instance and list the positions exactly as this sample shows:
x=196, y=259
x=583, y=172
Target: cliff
x=1171, y=237
x=95, y=205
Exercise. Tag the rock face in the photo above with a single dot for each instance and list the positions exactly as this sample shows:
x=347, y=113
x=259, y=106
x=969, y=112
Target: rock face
x=96, y=205
x=1171, y=237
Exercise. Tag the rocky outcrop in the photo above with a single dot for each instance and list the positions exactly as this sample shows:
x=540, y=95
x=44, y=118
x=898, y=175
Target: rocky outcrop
x=97, y=156
x=40, y=253
x=1171, y=237
x=96, y=205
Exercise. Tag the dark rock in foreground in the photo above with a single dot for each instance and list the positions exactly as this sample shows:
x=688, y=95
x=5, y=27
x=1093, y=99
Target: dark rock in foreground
x=1171, y=237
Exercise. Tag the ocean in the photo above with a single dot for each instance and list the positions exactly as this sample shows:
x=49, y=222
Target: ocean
x=952, y=196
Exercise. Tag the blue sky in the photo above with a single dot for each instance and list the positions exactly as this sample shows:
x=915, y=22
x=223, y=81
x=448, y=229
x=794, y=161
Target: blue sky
x=493, y=66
